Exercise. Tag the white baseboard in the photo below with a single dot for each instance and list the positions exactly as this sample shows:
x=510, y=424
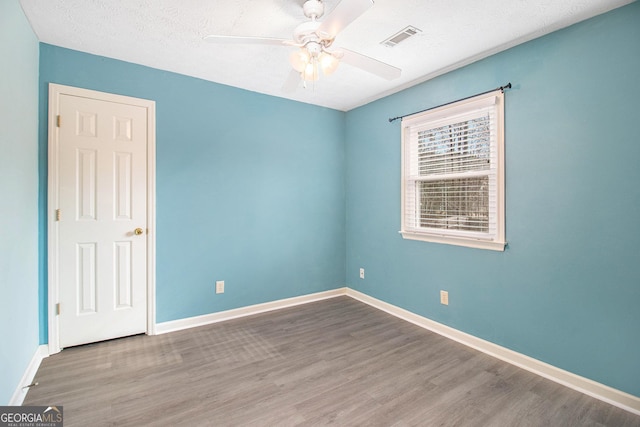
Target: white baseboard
x=206, y=319
x=584, y=385
x=27, y=378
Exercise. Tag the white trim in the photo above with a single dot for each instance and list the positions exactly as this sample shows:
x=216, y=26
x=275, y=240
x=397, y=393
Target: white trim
x=221, y=316
x=29, y=374
x=55, y=91
x=492, y=245
x=584, y=385
x=151, y=218
x=430, y=119
x=52, y=230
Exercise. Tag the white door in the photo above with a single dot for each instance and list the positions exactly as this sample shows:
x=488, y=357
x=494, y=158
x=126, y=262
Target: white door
x=102, y=220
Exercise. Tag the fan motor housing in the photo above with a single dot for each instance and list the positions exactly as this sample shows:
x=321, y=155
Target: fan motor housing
x=306, y=32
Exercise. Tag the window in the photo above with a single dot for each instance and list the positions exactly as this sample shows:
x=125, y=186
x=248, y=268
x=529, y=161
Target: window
x=453, y=174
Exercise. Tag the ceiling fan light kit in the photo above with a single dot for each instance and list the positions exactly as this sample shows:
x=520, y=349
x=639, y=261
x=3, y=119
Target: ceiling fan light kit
x=314, y=38
x=307, y=63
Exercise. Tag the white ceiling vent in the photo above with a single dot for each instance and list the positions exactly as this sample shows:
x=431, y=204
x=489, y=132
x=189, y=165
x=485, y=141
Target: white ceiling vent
x=401, y=36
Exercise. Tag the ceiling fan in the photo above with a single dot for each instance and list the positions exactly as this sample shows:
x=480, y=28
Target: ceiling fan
x=314, y=40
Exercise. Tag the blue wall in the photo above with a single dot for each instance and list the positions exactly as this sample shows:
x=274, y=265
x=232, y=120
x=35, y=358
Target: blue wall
x=18, y=197
x=250, y=188
x=567, y=289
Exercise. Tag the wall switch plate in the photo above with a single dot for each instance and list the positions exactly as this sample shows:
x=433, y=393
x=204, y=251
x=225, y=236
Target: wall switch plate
x=362, y=273
x=220, y=287
x=444, y=297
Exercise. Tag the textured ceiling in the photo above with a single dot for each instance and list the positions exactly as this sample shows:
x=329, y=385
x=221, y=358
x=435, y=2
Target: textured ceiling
x=168, y=34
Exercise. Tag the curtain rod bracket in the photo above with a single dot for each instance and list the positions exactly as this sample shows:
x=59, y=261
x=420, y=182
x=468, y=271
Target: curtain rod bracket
x=501, y=88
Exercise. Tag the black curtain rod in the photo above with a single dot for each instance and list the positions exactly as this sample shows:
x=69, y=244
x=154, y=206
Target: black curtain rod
x=502, y=88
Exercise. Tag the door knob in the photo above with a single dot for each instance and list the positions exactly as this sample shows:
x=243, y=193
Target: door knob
x=137, y=231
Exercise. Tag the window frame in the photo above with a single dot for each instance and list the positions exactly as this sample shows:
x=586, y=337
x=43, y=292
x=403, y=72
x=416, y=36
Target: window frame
x=496, y=241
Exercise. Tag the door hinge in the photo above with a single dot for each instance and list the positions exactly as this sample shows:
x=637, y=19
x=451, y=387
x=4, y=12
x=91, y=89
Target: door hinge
x=58, y=215
x=58, y=120
x=57, y=309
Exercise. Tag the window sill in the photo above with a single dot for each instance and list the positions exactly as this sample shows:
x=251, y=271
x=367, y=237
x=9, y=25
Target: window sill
x=457, y=241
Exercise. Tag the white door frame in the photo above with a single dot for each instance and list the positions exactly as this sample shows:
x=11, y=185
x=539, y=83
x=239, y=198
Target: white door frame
x=55, y=91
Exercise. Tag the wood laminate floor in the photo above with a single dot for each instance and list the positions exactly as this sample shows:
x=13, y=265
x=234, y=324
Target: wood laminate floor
x=336, y=362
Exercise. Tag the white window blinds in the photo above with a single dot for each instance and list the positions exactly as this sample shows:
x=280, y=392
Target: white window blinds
x=453, y=174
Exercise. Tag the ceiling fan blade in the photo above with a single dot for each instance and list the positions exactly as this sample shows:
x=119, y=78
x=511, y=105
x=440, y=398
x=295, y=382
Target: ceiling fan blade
x=370, y=65
x=342, y=15
x=248, y=40
x=291, y=84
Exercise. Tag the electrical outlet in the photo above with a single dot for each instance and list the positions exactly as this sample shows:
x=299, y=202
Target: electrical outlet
x=362, y=273
x=444, y=297
x=220, y=287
